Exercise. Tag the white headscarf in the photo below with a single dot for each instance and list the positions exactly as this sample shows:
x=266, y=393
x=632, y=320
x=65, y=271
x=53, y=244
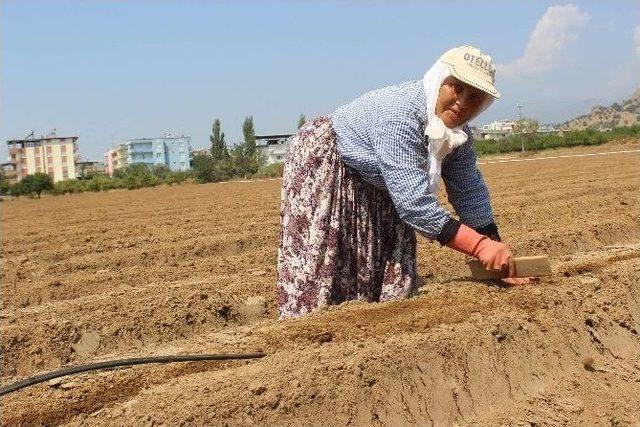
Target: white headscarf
x=442, y=140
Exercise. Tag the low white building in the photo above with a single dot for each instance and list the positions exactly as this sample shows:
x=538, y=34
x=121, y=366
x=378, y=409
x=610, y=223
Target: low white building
x=495, y=130
x=547, y=129
x=273, y=148
x=500, y=125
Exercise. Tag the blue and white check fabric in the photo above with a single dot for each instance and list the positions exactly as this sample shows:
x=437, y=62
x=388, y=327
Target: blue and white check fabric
x=381, y=136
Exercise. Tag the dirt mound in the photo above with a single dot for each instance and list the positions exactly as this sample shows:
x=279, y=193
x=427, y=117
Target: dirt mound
x=563, y=351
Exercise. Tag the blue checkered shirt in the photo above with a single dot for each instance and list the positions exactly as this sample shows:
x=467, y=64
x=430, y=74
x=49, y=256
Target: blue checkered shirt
x=381, y=136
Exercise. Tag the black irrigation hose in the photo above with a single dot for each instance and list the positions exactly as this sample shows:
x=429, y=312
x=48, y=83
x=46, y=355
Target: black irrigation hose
x=123, y=362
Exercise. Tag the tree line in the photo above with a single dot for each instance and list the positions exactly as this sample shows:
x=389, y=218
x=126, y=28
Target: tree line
x=526, y=140
x=240, y=161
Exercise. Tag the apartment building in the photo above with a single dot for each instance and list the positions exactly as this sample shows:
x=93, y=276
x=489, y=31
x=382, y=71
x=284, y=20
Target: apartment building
x=110, y=161
x=89, y=167
x=116, y=158
x=273, y=148
x=167, y=150
x=53, y=155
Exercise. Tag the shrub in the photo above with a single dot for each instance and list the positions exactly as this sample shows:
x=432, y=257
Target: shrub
x=273, y=170
x=17, y=189
x=175, y=177
x=4, y=186
x=67, y=186
x=206, y=169
x=160, y=171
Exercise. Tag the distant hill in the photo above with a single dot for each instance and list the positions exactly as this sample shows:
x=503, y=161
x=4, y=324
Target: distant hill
x=626, y=113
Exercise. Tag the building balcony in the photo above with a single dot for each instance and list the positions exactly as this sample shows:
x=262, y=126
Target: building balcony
x=140, y=151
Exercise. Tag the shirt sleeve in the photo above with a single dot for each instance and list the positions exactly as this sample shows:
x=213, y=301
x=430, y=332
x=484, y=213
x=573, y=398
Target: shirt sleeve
x=466, y=189
x=402, y=155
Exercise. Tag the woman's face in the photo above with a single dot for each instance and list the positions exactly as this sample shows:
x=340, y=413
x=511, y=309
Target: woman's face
x=458, y=102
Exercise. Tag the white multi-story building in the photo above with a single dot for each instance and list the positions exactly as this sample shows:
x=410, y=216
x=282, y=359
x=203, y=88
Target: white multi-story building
x=500, y=125
x=53, y=155
x=495, y=130
x=273, y=148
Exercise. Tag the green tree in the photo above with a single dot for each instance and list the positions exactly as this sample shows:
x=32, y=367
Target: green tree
x=136, y=169
x=17, y=189
x=161, y=171
x=301, y=121
x=36, y=183
x=175, y=177
x=245, y=155
x=527, y=129
x=205, y=168
x=218, y=145
x=4, y=183
x=249, y=137
x=4, y=186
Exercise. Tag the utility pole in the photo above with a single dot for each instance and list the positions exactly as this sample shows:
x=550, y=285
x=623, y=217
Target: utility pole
x=519, y=107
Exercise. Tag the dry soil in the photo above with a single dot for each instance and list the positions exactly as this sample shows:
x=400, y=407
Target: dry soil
x=191, y=269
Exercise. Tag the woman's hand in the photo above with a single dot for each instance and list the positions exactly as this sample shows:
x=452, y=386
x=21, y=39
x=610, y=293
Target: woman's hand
x=507, y=271
x=511, y=281
x=494, y=255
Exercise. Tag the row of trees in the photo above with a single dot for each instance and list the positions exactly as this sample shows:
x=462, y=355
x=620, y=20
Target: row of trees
x=241, y=161
x=131, y=177
x=530, y=141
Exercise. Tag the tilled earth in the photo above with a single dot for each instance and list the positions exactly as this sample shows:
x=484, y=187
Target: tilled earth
x=191, y=269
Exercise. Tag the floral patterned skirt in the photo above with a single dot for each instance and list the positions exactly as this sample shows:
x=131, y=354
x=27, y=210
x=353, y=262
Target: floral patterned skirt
x=340, y=238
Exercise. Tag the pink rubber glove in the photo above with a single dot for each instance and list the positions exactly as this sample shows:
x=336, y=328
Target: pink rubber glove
x=494, y=256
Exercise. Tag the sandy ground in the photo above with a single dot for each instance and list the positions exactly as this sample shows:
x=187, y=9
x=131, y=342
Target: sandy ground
x=191, y=269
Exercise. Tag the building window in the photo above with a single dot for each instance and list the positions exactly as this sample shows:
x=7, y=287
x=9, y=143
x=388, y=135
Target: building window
x=64, y=160
x=63, y=150
x=48, y=149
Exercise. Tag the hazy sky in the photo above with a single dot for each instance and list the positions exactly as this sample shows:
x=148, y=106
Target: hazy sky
x=112, y=70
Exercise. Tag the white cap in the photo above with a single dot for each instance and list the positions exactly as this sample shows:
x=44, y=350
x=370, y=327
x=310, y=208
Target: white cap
x=469, y=65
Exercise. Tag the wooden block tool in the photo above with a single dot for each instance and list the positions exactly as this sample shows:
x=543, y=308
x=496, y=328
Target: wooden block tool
x=527, y=266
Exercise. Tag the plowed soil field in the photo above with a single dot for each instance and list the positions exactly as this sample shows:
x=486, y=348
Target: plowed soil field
x=191, y=269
